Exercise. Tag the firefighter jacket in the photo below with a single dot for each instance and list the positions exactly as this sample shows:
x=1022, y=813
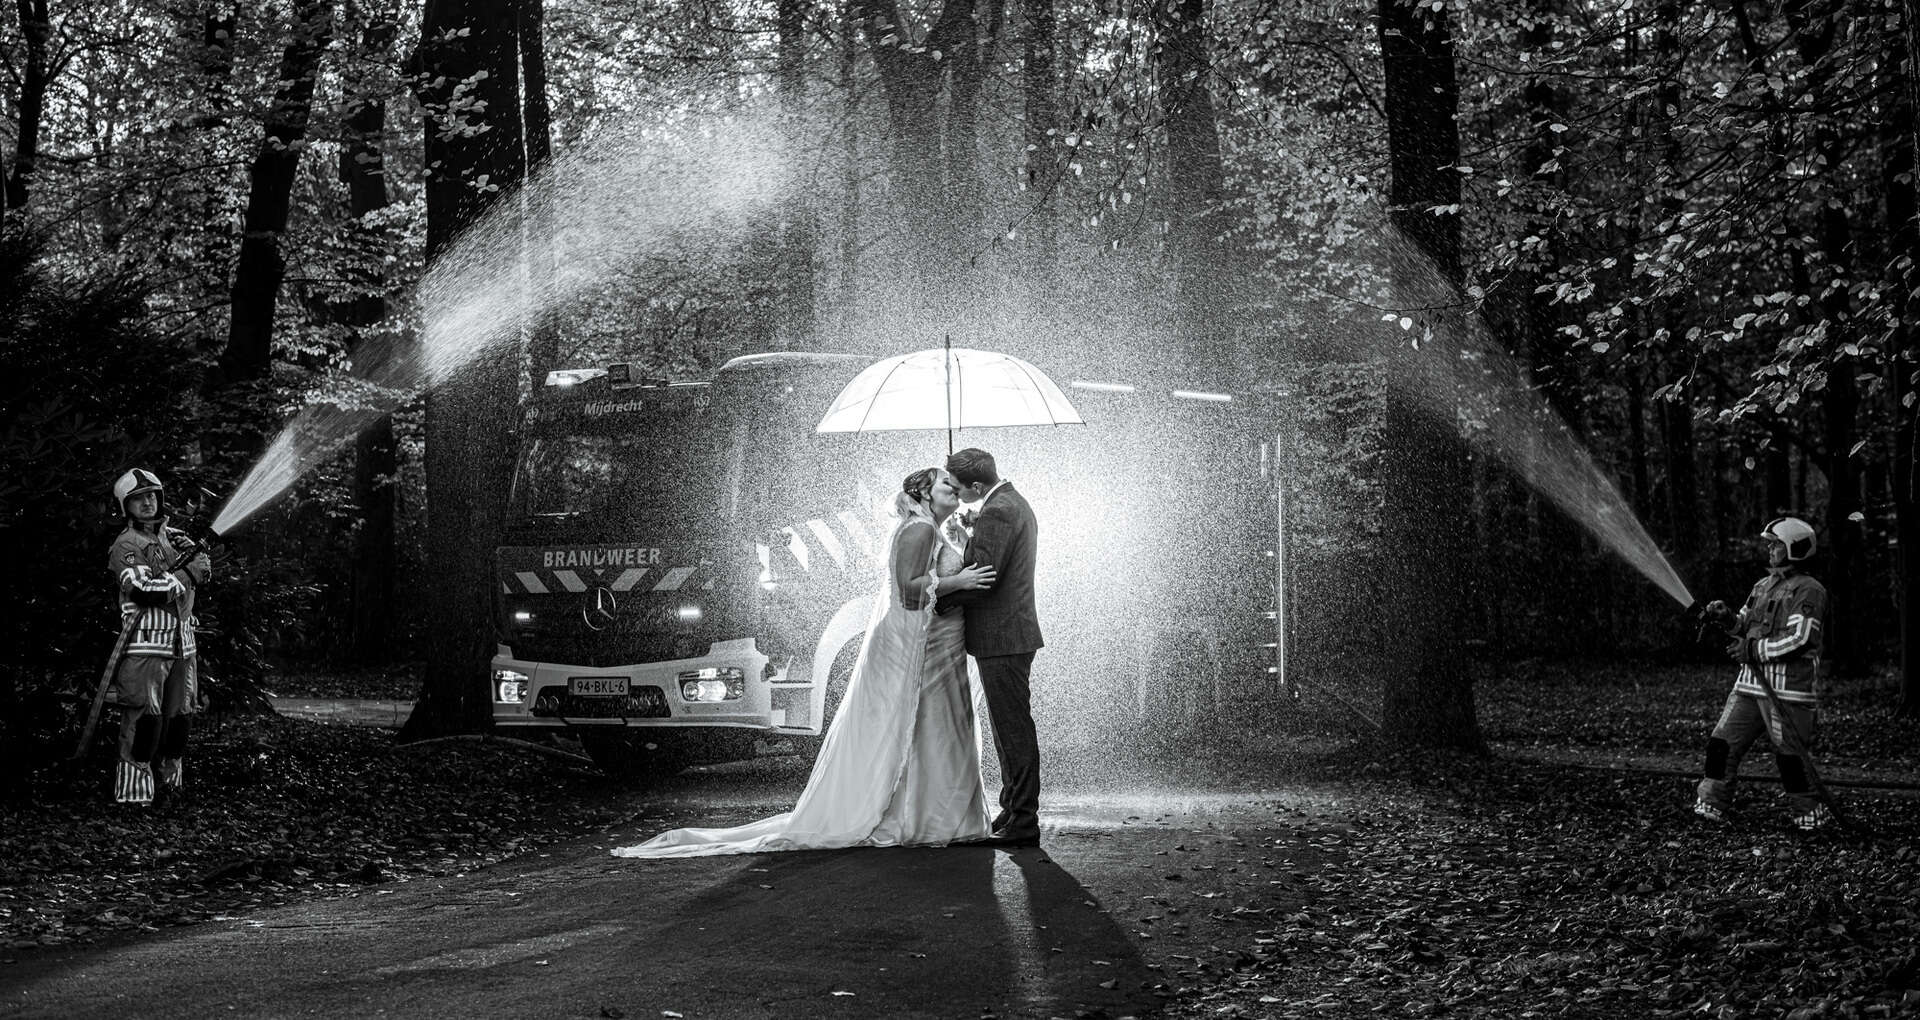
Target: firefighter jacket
x=155, y=603
x=1781, y=625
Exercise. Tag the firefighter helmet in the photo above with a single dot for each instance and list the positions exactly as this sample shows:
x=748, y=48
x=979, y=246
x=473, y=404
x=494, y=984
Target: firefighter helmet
x=1794, y=533
x=133, y=483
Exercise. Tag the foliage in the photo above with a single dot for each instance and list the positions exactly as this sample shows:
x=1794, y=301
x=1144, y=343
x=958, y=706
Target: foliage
x=94, y=391
x=90, y=392
x=1684, y=220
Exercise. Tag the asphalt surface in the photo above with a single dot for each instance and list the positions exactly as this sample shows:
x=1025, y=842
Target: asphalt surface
x=379, y=712
x=1127, y=891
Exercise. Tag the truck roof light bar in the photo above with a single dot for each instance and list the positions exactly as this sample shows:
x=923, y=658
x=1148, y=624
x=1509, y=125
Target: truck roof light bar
x=573, y=376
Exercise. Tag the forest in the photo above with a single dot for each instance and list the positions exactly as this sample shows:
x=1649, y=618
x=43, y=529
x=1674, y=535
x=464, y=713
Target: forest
x=1672, y=241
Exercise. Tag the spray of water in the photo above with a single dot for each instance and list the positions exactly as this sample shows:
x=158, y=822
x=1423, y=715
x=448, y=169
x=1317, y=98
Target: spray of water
x=607, y=203
x=1462, y=368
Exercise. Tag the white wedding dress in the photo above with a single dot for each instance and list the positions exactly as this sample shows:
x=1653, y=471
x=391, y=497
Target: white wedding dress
x=901, y=762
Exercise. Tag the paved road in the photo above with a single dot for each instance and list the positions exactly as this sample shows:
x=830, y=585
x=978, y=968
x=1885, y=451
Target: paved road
x=1126, y=889
x=380, y=712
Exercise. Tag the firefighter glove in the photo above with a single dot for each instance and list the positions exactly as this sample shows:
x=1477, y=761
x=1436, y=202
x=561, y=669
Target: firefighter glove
x=199, y=568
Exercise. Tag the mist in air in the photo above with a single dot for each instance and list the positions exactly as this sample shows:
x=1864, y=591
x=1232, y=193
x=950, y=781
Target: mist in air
x=626, y=196
x=1135, y=507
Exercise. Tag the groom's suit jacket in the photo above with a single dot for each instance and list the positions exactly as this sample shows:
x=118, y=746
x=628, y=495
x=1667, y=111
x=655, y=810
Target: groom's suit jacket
x=1001, y=620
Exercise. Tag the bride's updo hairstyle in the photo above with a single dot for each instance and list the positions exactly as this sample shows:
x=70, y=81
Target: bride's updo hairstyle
x=916, y=493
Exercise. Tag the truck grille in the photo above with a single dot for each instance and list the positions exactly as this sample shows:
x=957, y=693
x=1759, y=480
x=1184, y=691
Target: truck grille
x=605, y=651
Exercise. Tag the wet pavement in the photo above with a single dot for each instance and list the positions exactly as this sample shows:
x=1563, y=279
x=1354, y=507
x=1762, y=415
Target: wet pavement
x=382, y=712
x=1128, y=890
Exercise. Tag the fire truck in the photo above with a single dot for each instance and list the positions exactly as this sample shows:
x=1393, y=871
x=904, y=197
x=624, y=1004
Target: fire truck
x=689, y=568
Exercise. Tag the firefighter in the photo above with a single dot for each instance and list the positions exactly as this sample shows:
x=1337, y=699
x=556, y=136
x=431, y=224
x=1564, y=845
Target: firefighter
x=154, y=670
x=1776, y=641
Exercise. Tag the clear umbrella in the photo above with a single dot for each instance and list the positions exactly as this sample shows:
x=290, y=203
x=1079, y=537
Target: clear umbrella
x=948, y=388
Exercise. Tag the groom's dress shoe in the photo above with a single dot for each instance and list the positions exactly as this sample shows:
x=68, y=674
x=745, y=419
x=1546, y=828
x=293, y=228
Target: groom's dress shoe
x=1009, y=839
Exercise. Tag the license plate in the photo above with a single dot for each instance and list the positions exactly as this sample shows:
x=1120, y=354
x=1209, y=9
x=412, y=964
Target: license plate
x=598, y=686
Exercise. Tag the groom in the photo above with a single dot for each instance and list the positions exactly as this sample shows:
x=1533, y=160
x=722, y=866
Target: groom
x=1003, y=632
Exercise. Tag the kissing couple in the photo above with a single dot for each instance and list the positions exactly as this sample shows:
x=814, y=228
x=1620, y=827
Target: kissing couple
x=901, y=764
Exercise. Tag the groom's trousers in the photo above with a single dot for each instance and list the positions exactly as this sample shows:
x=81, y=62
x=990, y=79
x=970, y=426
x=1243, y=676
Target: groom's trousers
x=1004, y=680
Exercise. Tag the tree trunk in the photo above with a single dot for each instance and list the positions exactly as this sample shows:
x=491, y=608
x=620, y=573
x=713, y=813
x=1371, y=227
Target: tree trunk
x=1683, y=475
x=35, y=28
x=469, y=417
x=1814, y=33
x=261, y=266
x=1840, y=640
x=931, y=187
x=799, y=228
x=1640, y=468
x=1041, y=163
x=1546, y=357
x=217, y=24
x=363, y=170
x=967, y=72
x=1429, y=691
x=1776, y=468
x=1195, y=177
x=849, y=289
x=216, y=59
x=543, y=336
x=1901, y=209
x=912, y=82
x=1676, y=412
x=538, y=111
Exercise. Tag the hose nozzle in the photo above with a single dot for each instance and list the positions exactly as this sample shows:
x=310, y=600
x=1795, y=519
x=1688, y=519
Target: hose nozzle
x=1712, y=616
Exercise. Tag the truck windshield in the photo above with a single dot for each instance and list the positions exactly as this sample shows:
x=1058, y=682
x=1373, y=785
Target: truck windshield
x=645, y=472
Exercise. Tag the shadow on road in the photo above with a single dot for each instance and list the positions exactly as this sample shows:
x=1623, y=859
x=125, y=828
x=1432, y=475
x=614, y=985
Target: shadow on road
x=1087, y=960
x=908, y=932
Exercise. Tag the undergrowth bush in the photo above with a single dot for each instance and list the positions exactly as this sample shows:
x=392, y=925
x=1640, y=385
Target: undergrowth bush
x=90, y=389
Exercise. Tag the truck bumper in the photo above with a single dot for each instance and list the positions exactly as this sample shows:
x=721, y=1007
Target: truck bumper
x=550, y=698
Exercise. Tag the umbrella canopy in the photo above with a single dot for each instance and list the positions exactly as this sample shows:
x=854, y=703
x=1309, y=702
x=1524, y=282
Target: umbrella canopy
x=948, y=388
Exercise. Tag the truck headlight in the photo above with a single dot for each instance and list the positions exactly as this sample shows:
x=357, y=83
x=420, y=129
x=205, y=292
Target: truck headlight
x=724, y=683
x=509, y=687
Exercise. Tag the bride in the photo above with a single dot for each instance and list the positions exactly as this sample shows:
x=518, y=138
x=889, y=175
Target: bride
x=900, y=765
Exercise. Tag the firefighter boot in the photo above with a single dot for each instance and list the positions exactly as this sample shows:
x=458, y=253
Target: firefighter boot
x=1813, y=819
x=133, y=783
x=1713, y=798
x=171, y=773
x=1803, y=807
x=173, y=744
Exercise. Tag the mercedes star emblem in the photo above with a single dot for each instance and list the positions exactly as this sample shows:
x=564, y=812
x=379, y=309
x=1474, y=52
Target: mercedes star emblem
x=597, y=611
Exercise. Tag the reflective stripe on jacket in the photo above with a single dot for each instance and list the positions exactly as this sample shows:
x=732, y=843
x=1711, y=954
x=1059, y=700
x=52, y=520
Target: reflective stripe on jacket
x=139, y=560
x=1783, y=618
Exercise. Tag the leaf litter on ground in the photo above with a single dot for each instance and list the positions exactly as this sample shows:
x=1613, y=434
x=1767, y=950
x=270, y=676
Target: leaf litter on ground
x=276, y=810
x=1497, y=886
x=1420, y=884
